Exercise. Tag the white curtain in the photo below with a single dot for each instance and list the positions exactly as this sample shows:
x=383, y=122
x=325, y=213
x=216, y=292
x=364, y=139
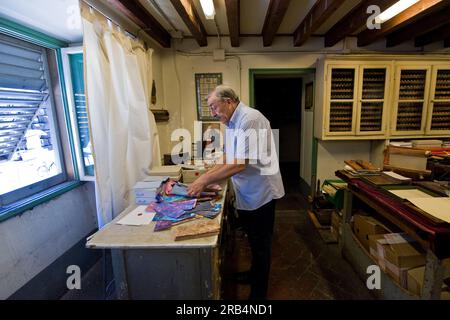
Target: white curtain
x=118, y=75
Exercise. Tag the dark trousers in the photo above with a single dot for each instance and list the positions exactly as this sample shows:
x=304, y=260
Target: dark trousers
x=258, y=225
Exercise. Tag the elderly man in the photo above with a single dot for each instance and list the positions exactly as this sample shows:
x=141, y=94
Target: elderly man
x=251, y=162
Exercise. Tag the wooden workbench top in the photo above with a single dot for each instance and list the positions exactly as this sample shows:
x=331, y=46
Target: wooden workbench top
x=116, y=236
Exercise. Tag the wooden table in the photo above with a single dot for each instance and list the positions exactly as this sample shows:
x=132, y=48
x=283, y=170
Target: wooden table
x=152, y=265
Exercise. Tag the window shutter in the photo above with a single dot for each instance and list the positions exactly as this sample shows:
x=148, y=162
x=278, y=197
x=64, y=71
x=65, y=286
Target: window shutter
x=23, y=97
x=80, y=111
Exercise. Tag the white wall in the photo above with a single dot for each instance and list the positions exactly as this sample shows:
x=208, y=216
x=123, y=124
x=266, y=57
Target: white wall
x=33, y=240
x=331, y=155
x=186, y=58
x=179, y=67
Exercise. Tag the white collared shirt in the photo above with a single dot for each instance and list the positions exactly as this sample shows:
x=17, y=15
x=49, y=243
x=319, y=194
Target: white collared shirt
x=249, y=137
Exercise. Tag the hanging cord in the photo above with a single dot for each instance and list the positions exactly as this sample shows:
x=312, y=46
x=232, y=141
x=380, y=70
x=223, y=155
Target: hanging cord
x=174, y=55
x=218, y=33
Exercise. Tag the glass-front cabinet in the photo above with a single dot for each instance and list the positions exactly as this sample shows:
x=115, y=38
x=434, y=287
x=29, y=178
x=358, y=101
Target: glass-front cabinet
x=342, y=101
x=380, y=97
x=356, y=99
x=411, y=95
x=372, y=102
x=438, y=121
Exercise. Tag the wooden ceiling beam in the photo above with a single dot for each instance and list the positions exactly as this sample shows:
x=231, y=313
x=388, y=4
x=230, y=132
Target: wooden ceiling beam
x=189, y=15
x=410, y=15
x=353, y=21
x=318, y=14
x=435, y=35
x=420, y=27
x=234, y=19
x=274, y=17
x=137, y=13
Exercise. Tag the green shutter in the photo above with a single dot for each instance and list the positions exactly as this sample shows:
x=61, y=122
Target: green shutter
x=81, y=116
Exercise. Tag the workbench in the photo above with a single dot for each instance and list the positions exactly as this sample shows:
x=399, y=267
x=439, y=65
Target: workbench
x=433, y=237
x=152, y=265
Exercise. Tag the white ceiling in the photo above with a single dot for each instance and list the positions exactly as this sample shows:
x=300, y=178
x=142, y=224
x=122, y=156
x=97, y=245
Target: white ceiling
x=57, y=18
x=253, y=14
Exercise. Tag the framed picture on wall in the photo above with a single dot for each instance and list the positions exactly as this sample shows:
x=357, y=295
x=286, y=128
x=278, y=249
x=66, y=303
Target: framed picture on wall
x=309, y=96
x=204, y=84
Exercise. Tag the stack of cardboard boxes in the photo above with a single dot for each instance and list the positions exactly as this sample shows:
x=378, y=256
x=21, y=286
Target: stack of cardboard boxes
x=415, y=280
x=396, y=253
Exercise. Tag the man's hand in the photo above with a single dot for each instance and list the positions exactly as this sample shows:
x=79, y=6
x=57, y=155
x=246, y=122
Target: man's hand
x=197, y=187
x=218, y=173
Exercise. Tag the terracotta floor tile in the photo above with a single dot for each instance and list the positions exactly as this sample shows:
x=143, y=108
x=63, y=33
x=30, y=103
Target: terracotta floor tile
x=303, y=266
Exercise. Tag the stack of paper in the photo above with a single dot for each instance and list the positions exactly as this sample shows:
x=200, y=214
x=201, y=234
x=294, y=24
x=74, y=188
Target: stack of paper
x=174, y=172
x=397, y=176
x=425, y=144
x=137, y=217
x=407, y=144
x=145, y=191
x=438, y=207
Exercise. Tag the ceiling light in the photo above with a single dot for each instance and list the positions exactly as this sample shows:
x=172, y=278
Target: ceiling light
x=208, y=9
x=394, y=10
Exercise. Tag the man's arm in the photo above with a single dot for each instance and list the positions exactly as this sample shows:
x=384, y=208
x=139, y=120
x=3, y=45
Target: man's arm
x=218, y=173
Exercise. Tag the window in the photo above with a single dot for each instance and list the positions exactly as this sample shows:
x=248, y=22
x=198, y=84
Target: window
x=30, y=152
x=74, y=78
x=205, y=83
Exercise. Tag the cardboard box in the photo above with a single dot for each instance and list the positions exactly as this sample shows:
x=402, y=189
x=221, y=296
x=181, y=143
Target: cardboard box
x=415, y=280
x=324, y=216
x=403, y=254
x=190, y=175
x=395, y=255
x=363, y=226
x=376, y=249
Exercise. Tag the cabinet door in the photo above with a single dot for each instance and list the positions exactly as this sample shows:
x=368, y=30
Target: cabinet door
x=411, y=94
x=438, y=121
x=341, y=100
x=372, y=100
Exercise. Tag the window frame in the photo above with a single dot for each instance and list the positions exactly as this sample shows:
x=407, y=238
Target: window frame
x=65, y=53
x=71, y=181
x=42, y=185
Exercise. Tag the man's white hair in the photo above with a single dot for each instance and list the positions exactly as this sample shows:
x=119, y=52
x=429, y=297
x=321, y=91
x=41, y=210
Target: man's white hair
x=224, y=92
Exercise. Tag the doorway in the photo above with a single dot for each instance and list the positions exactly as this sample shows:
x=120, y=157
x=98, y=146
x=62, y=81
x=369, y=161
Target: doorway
x=277, y=94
